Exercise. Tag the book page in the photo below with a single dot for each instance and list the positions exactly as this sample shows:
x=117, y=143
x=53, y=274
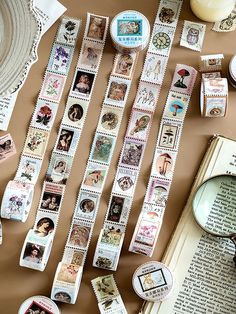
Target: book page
x=202, y=265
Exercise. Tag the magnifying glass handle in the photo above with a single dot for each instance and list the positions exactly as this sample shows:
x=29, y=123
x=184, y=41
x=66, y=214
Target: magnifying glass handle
x=233, y=238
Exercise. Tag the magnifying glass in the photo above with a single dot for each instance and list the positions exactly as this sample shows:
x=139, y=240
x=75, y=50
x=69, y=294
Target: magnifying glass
x=214, y=207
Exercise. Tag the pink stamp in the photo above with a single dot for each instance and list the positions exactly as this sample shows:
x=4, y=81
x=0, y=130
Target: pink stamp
x=184, y=79
x=7, y=147
x=52, y=88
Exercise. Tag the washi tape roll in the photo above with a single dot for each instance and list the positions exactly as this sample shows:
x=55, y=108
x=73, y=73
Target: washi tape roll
x=17, y=200
x=214, y=97
x=130, y=31
x=153, y=281
x=40, y=305
x=232, y=71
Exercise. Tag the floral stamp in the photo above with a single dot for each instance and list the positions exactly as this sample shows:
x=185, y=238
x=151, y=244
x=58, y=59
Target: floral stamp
x=105, y=258
x=51, y=197
x=168, y=12
x=125, y=181
x=118, y=209
x=68, y=31
x=147, y=96
x=102, y=148
x=90, y=56
x=169, y=134
x=95, y=176
x=105, y=288
x=87, y=205
x=146, y=232
x=36, y=142
x=124, y=65
x=59, y=168
x=161, y=40
x=96, y=28
x=154, y=68
x=60, y=59
x=163, y=164
x=28, y=170
x=117, y=91
x=67, y=140
x=157, y=192
x=193, y=35
x=75, y=112
x=44, y=114
x=132, y=153
x=176, y=106
x=139, y=125
x=52, y=88
x=184, y=79
x=83, y=84
x=80, y=234
x=110, y=119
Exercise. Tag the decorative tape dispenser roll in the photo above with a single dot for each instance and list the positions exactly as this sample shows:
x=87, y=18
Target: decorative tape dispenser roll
x=130, y=31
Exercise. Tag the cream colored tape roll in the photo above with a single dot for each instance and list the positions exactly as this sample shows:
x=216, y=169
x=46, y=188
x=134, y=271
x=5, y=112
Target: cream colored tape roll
x=214, y=97
x=38, y=304
x=17, y=200
x=130, y=31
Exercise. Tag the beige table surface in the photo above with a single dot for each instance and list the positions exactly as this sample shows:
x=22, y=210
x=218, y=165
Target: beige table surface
x=17, y=283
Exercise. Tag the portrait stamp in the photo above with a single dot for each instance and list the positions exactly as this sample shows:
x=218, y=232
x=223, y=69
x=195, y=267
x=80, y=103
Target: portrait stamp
x=124, y=65
x=75, y=112
x=147, y=96
x=59, y=168
x=80, y=234
x=33, y=254
x=95, y=177
x=163, y=165
x=60, y=59
x=87, y=204
x=176, y=106
x=36, y=142
x=117, y=91
x=68, y=31
x=154, y=68
x=193, y=35
x=132, y=153
x=90, y=56
x=83, y=84
x=74, y=256
x=118, y=209
x=44, y=227
x=67, y=140
x=161, y=40
x=102, y=148
x=125, y=181
x=184, y=79
x=53, y=85
x=169, y=134
x=44, y=114
x=96, y=28
x=7, y=147
x=110, y=119
x=67, y=273
x=157, y=192
x=51, y=198
x=168, y=12
x=28, y=169
x=139, y=125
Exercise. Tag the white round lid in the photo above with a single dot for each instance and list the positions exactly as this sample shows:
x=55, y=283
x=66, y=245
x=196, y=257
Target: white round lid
x=232, y=67
x=153, y=281
x=130, y=29
x=39, y=305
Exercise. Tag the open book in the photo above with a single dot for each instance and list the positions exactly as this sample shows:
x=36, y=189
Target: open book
x=202, y=265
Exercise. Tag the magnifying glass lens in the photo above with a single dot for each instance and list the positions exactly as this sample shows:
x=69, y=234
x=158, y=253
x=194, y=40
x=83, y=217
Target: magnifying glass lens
x=214, y=205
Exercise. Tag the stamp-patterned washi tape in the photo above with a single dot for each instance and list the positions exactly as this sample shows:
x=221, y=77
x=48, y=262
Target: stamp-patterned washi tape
x=112, y=235
x=22, y=186
x=40, y=238
x=150, y=219
x=193, y=35
x=95, y=175
x=108, y=296
x=38, y=305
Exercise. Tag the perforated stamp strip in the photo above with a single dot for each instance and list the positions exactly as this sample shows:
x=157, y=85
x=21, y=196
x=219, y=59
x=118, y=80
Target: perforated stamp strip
x=138, y=129
x=7, y=147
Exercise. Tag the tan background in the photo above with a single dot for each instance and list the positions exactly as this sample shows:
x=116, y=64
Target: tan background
x=17, y=283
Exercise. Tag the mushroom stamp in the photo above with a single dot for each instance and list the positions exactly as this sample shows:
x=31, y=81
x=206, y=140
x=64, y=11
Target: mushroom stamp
x=169, y=134
x=163, y=165
x=193, y=35
x=184, y=79
x=157, y=192
x=176, y=106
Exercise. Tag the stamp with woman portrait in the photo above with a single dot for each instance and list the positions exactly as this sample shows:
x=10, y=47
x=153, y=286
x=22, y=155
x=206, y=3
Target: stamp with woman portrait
x=110, y=119
x=117, y=91
x=124, y=65
x=75, y=112
x=118, y=209
x=44, y=114
x=125, y=181
x=86, y=206
x=139, y=125
x=67, y=140
x=51, y=196
x=33, y=253
x=59, y=168
x=36, y=142
x=90, y=56
x=96, y=28
x=95, y=176
x=83, y=84
x=80, y=234
x=102, y=148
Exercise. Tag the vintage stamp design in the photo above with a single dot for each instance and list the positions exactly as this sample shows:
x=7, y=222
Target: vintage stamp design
x=7, y=147
x=228, y=24
x=36, y=142
x=110, y=119
x=215, y=106
x=161, y=40
x=168, y=12
x=139, y=125
x=83, y=84
x=211, y=75
x=80, y=234
x=59, y=168
x=112, y=234
x=28, y=170
x=216, y=86
x=193, y=35
x=39, y=307
x=60, y=59
x=62, y=294
x=176, y=106
x=184, y=79
x=163, y=165
x=67, y=273
x=102, y=148
x=125, y=181
x=129, y=27
x=53, y=86
x=67, y=140
x=105, y=288
x=96, y=27
x=105, y=258
x=33, y=253
x=95, y=177
x=51, y=197
x=90, y=56
x=146, y=231
x=154, y=68
x=169, y=134
x=44, y=226
x=132, y=153
x=157, y=192
x=118, y=209
x=44, y=114
x=117, y=91
x=147, y=95
x=87, y=205
x=68, y=31
x=75, y=112
x=74, y=256
x=124, y=64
